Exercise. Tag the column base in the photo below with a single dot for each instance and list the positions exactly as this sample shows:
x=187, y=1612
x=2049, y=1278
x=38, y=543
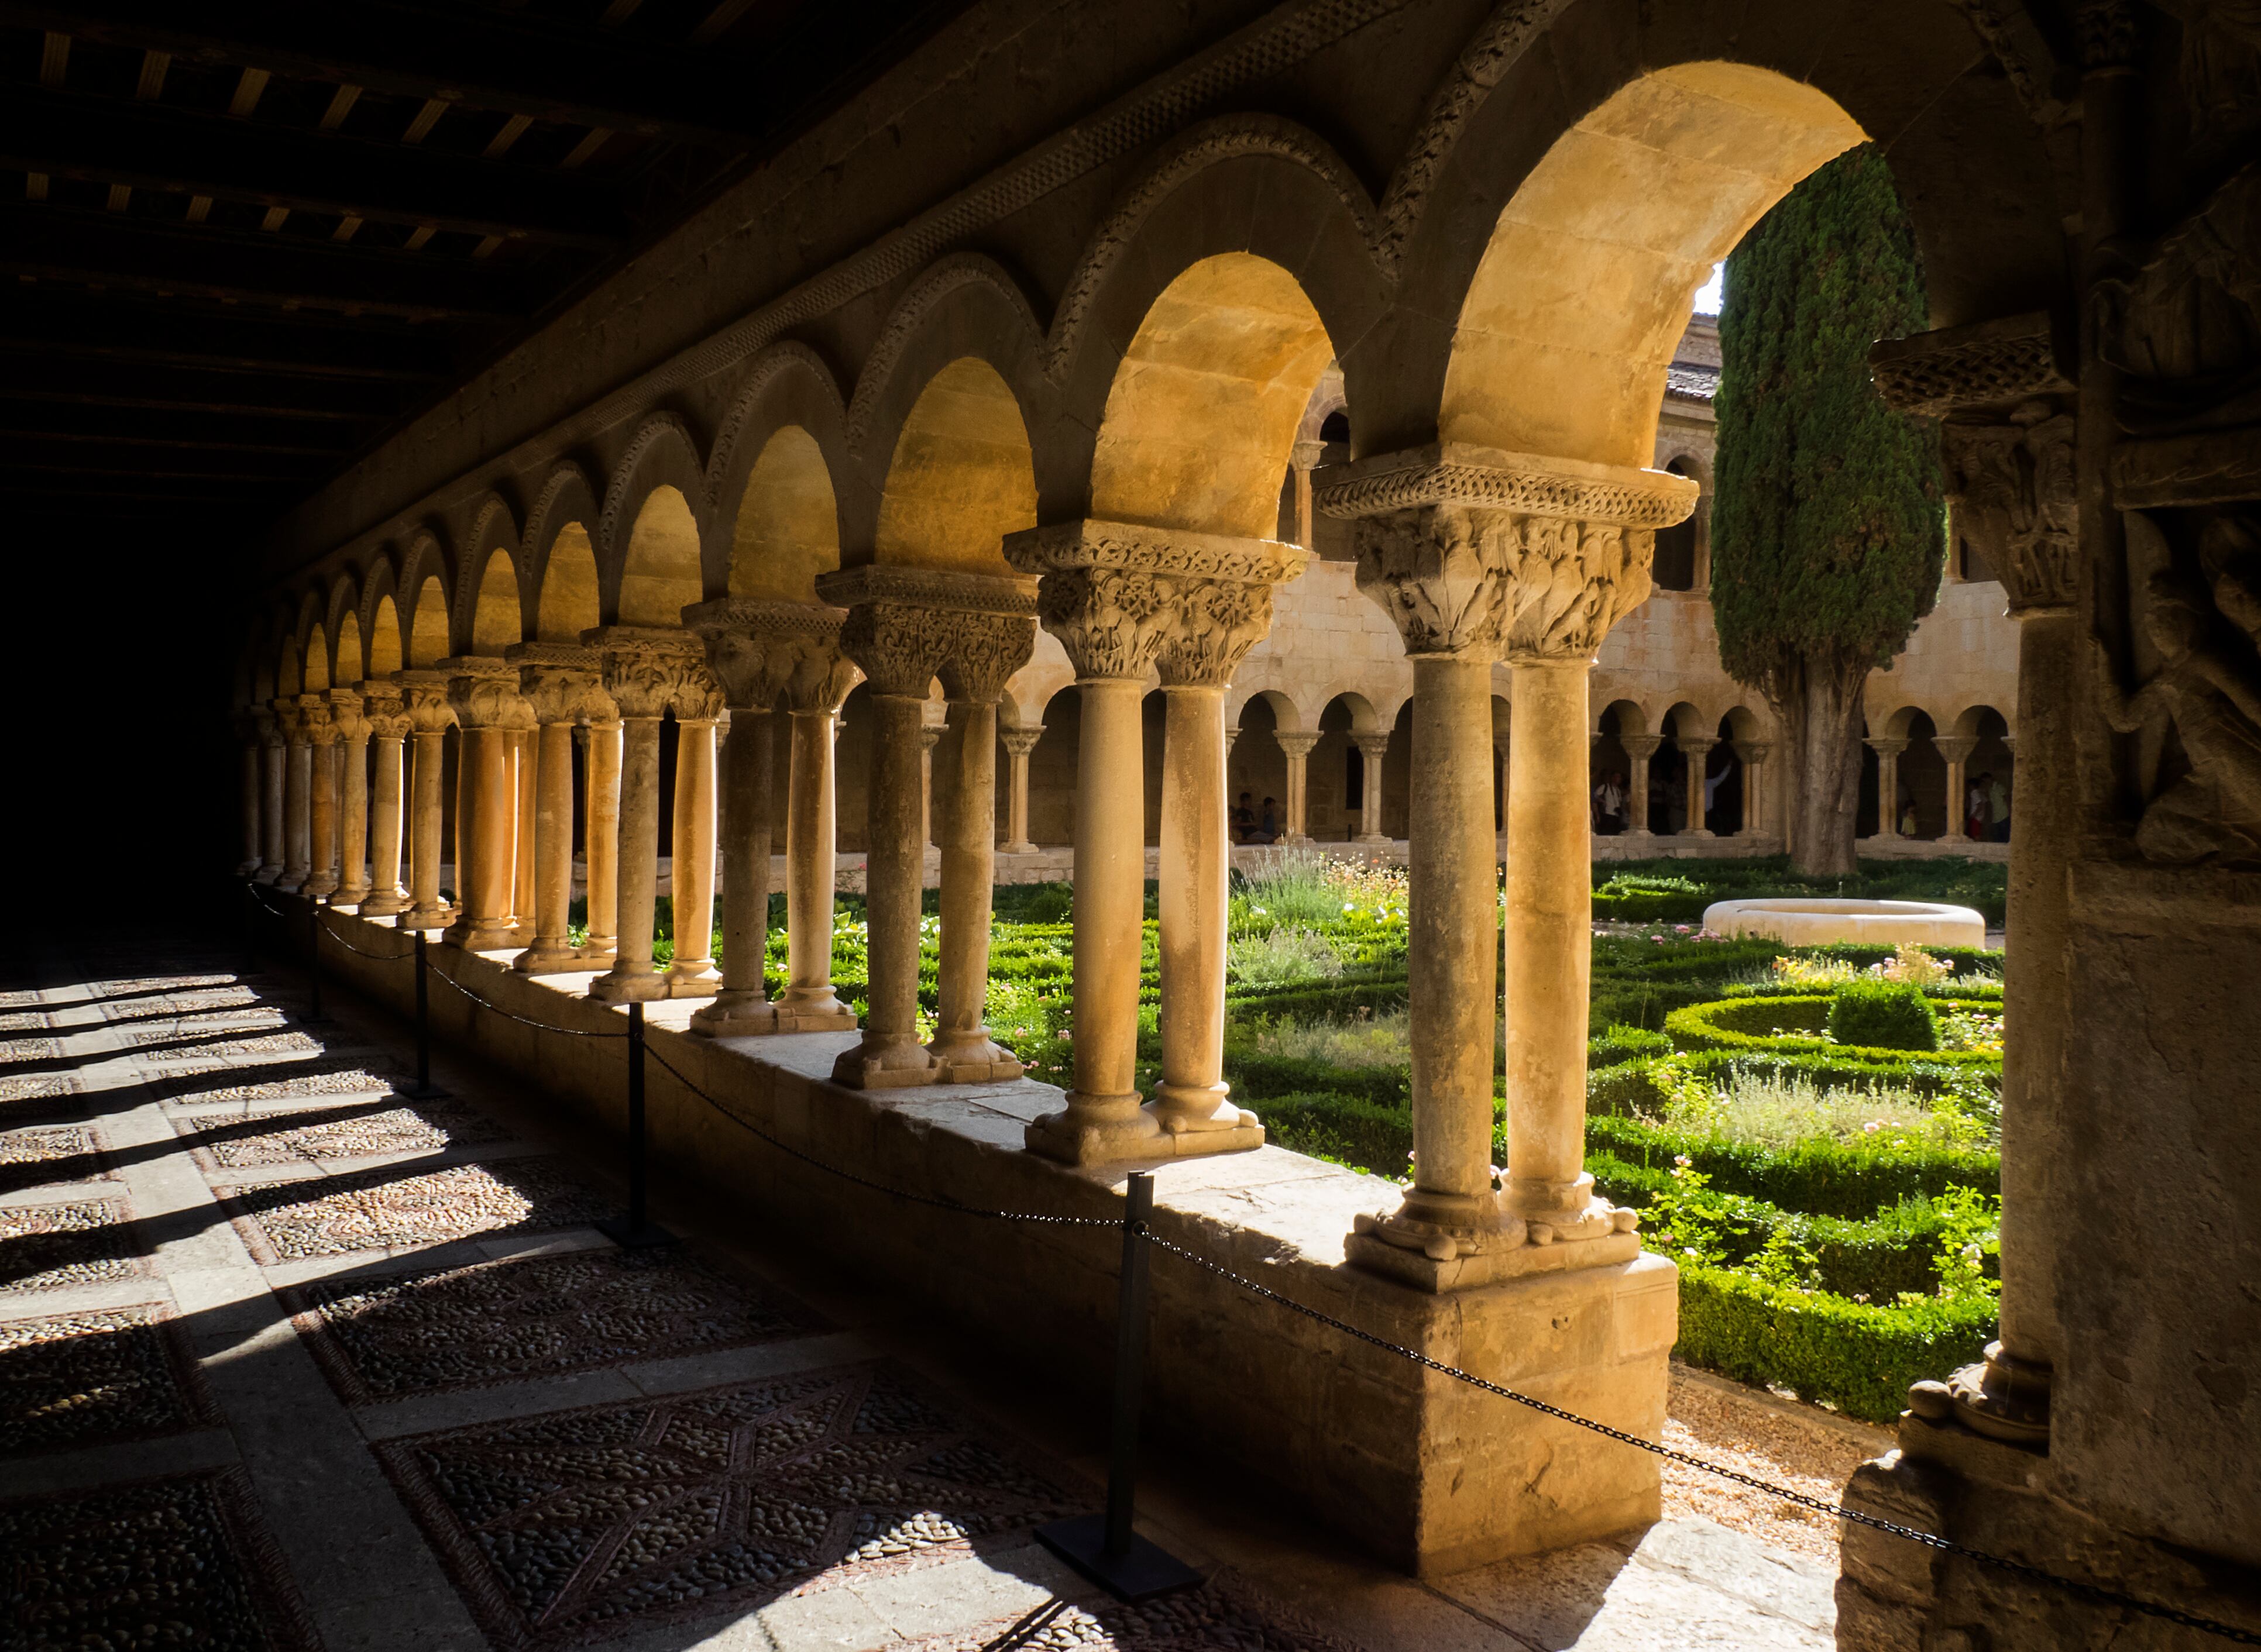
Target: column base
x=1440, y=1257
x=813, y=1009
x=349, y=898
x=291, y=883
x=267, y=875
x=551, y=958
x=1377, y=839
x=316, y=887
x=1096, y=1130
x=890, y=1061
x=699, y=980
x=246, y=868
x=974, y=1060
x=737, y=1012
x=645, y=986
x=1016, y=849
x=381, y=904
x=481, y=937
x=2003, y=1397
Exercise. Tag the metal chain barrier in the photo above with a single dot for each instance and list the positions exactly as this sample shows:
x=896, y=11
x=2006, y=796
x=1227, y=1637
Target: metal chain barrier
x=523, y=1020
x=2087, y=1591
x=375, y=957
x=259, y=899
x=787, y=1149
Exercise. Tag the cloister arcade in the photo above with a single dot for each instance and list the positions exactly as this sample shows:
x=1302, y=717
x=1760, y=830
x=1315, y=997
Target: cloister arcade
x=1008, y=549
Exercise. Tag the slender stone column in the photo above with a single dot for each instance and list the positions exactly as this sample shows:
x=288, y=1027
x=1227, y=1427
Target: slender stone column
x=347, y=709
x=297, y=795
x=812, y=699
x=425, y=694
x=693, y=975
x=560, y=683
x=929, y=737
x=492, y=711
x=1754, y=753
x=1956, y=749
x=647, y=670
x=321, y=798
x=986, y=650
x=601, y=837
x=1697, y=748
x=273, y=742
x=1020, y=745
x=388, y=728
x=1121, y=598
x=526, y=763
x=1640, y=749
x=1888, y=784
x=1298, y=749
x=1372, y=750
x=2012, y=483
x=754, y=651
x=250, y=730
x=904, y=627
x=1477, y=556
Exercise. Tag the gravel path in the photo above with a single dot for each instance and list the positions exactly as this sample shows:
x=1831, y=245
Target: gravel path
x=1794, y=1445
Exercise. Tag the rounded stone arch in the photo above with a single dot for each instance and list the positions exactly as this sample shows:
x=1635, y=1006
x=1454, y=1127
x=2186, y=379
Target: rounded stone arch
x=342, y=621
x=962, y=476
x=966, y=308
x=1622, y=717
x=1740, y=722
x=482, y=607
x=1682, y=562
x=1364, y=718
x=313, y=641
x=1675, y=132
x=290, y=678
x=380, y=621
x=774, y=478
x=1029, y=695
x=1254, y=187
x=1684, y=719
x=1287, y=716
x=1895, y=724
x=1981, y=721
x=559, y=553
x=651, y=533
x=427, y=577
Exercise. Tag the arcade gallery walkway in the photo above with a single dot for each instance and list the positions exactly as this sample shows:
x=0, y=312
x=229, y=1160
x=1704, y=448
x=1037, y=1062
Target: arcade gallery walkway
x=288, y=1359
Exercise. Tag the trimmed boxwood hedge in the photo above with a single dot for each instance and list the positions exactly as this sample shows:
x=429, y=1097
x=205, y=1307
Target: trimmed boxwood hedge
x=1824, y=1178
x=1636, y=1085
x=1748, y=1024
x=1860, y=1357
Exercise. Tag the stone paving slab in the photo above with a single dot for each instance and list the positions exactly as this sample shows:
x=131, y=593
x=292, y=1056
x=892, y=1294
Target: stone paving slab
x=49, y=1154
x=325, y=1137
x=78, y=1242
x=399, y=1208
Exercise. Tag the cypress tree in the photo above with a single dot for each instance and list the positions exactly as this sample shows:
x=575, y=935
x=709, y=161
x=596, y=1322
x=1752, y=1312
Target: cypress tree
x=1827, y=532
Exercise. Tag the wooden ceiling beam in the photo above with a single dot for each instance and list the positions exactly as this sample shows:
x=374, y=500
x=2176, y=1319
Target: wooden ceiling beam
x=146, y=147
x=463, y=54
x=49, y=320
x=113, y=249
x=187, y=390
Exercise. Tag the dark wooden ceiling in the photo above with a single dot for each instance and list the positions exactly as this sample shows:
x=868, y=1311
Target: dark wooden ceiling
x=241, y=244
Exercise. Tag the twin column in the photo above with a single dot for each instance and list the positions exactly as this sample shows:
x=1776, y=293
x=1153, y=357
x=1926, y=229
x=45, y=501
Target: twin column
x=1481, y=557
x=905, y=627
x=1123, y=600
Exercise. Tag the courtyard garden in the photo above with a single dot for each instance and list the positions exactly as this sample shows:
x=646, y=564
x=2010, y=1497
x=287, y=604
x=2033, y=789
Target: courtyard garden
x=1809, y=1133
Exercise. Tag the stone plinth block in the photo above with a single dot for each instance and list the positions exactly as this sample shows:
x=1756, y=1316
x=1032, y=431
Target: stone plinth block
x=1057, y=1136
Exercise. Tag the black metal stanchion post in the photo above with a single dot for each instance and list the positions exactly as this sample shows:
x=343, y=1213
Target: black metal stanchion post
x=1104, y=1546
x=425, y=1090
x=314, y=962
x=638, y=1229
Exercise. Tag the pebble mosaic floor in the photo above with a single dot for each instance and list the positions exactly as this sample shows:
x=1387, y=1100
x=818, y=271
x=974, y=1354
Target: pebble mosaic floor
x=290, y=1360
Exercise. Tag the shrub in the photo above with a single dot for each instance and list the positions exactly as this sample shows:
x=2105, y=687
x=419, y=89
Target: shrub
x=1281, y=957
x=1795, y=1025
x=1882, y=1015
x=1292, y=891
x=1347, y=1129
x=1621, y=1043
x=1825, y=1178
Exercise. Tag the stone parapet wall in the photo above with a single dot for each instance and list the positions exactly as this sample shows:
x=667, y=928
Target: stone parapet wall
x=1421, y=1471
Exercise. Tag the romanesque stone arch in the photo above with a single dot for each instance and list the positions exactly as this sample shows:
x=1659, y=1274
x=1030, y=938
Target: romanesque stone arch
x=773, y=477
x=560, y=556
x=651, y=531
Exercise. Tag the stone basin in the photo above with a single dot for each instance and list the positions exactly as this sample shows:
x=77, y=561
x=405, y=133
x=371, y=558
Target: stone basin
x=1809, y=922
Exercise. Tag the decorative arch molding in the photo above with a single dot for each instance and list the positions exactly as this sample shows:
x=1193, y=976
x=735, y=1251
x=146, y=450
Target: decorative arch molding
x=1287, y=715
x=424, y=555
x=913, y=347
x=662, y=452
x=379, y=578
x=787, y=386
x=494, y=527
x=565, y=497
x=1193, y=151
x=345, y=602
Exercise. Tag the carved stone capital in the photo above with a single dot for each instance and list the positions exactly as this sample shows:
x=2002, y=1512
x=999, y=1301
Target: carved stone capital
x=1475, y=553
x=289, y=726
x=348, y=711
x=424, y=693
x=1124, y=597
x=1373, y=748
x=1886, y=747
x=756, y=649
x=2012, y=359
x=1695, y=745
x=649, y=670
x=317, y=719
x=1955, y=748
x=1753, y=752
x=562, y=681
x=1020, y=742
x=387, y=713
x=484, y=691
x=2013, y=489
x=1641, y=747
x=1296, y=745
x=908, y=626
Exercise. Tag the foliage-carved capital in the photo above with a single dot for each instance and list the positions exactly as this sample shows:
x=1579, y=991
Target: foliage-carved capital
x=1125, y=597
x=2014, y=486
x=425, y=694
x=908, y=626
x=756, y=649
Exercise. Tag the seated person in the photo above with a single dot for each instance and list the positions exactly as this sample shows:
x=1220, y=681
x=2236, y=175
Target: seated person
x=1243, y=818
x=1268, y=824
